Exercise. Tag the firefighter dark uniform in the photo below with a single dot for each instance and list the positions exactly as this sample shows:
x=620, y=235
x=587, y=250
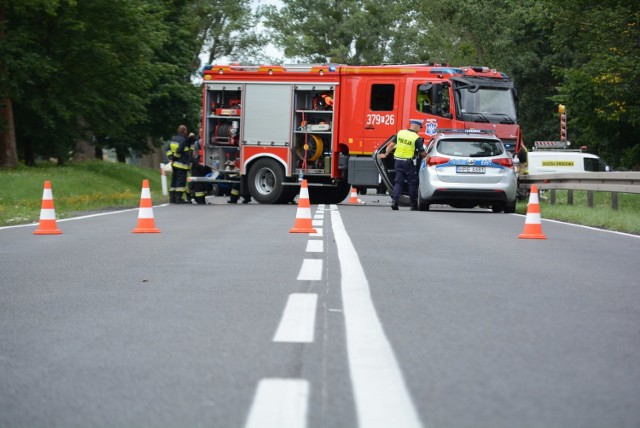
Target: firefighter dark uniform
x=199, y=189
x=179, y=154
x=407, y=142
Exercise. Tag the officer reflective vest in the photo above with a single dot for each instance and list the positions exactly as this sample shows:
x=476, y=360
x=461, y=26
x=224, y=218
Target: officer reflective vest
x=179, y=153
x=406, y=144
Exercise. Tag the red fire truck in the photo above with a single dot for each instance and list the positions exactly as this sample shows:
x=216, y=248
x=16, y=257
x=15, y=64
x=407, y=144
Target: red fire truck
x=266, y=126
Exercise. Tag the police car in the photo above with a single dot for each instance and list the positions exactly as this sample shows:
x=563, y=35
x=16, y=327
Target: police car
x=465, y=169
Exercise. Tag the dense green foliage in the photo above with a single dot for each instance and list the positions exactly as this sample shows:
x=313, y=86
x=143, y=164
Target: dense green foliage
x=582, y=53
x=119, y=73
x=113, y=73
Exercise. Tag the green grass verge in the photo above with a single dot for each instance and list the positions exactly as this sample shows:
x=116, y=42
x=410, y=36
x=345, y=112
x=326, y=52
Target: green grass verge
x=625, y=219
x=77, y=188
x=96, y=186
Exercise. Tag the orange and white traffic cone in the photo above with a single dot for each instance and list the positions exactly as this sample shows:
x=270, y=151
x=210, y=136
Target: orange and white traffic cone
x=354, y=196
x=146, y=224
x=533, y=222
x=47, y=225
x=303, y=223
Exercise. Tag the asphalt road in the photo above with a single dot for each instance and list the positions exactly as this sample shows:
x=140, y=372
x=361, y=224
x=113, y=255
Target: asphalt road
x=225, y=319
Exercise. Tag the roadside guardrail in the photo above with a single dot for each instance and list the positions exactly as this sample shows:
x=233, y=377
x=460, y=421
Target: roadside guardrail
x=613, y=182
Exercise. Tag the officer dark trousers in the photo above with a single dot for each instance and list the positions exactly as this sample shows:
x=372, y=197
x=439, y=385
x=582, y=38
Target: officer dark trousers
x=405, y=170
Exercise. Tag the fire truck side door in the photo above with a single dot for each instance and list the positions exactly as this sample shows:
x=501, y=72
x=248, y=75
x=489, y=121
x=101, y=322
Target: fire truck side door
x=380, y=113
x=267, y=114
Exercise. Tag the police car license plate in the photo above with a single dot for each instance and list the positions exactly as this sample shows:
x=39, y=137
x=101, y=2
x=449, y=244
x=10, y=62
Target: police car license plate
x=470, y=169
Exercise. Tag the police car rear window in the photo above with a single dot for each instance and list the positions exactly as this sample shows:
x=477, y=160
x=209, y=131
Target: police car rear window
x=470, y=148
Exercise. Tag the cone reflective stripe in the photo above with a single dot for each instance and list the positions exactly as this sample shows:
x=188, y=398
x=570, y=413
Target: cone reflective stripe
x=47, y=225
x=533, y=222
x=146, y=223
x=303, y=223
x=354, y=196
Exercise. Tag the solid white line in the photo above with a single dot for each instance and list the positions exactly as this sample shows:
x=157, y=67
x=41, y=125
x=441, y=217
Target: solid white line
x=381, y=395
x=298, y=319
x=311, y=270
x=279, y=403
x=315, y=246
x=615, y=232
x=78, y=218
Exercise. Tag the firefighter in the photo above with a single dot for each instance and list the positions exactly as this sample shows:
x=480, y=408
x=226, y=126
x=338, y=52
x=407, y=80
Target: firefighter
x=179, y=154
x=235, y=195
x=198, y=190
x=406, y=142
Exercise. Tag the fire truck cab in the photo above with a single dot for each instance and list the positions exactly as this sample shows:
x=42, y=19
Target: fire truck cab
x=268, y=126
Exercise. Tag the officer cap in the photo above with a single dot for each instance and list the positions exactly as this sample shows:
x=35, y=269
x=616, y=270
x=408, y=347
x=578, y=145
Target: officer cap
x=416, y=122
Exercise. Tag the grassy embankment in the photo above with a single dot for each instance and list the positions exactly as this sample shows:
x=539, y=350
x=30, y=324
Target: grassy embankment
x=625, y=219
x=77, y=188
x=94, y=186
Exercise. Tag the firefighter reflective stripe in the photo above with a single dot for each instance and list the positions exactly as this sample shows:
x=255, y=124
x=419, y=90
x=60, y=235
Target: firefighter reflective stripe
x=180, y=165
x=175, y=152
x=406, y=144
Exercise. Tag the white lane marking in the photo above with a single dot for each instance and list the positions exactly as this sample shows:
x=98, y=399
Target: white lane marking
x=381, y=395
x=319, y=216
x=315, y=246
x=311, y=270
x=318, y=232
x=298, y=320
x=317, y=222
x=279, y=403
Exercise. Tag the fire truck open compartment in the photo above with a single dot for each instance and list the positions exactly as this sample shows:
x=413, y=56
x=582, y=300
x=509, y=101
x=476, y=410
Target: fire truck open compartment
x=313, y=128
x=291, y=123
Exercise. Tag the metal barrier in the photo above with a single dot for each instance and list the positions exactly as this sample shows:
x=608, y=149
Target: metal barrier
x=614, y=182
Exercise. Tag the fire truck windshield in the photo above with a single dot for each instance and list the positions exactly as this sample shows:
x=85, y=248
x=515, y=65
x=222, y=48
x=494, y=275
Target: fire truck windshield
x=489, y=105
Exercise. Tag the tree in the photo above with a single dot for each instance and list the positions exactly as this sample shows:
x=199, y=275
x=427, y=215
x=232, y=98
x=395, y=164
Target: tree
x=95, y=70
x=227, y=29
x=339, y=31
x=599, y=83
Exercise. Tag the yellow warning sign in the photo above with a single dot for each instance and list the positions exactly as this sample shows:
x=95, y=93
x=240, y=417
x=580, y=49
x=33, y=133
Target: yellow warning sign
x=557, y=163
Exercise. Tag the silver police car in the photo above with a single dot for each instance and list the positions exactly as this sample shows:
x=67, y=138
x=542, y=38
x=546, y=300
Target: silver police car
x=465, y=170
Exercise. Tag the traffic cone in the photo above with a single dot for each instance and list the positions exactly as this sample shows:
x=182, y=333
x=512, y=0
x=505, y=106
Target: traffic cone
x=354, y=196
x=146, y=224
x=533, y=222
x=47, y=225
x=303, y=223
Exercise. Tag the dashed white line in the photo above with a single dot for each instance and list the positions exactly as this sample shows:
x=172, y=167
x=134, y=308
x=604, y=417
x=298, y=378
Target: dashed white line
x=298, y=320
x=315, y=246
x=311, y=270
x=318, y=232
x=279, y=403
x=381, y=395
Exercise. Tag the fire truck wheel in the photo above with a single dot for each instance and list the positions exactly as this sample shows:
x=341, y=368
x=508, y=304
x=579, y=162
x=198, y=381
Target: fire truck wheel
x=265, y=182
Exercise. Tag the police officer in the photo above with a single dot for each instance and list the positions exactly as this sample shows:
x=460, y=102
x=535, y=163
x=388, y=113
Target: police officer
x=406, y=142
x=179, y=154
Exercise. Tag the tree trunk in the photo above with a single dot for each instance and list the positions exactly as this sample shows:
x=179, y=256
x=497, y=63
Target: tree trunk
x=8, y=150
